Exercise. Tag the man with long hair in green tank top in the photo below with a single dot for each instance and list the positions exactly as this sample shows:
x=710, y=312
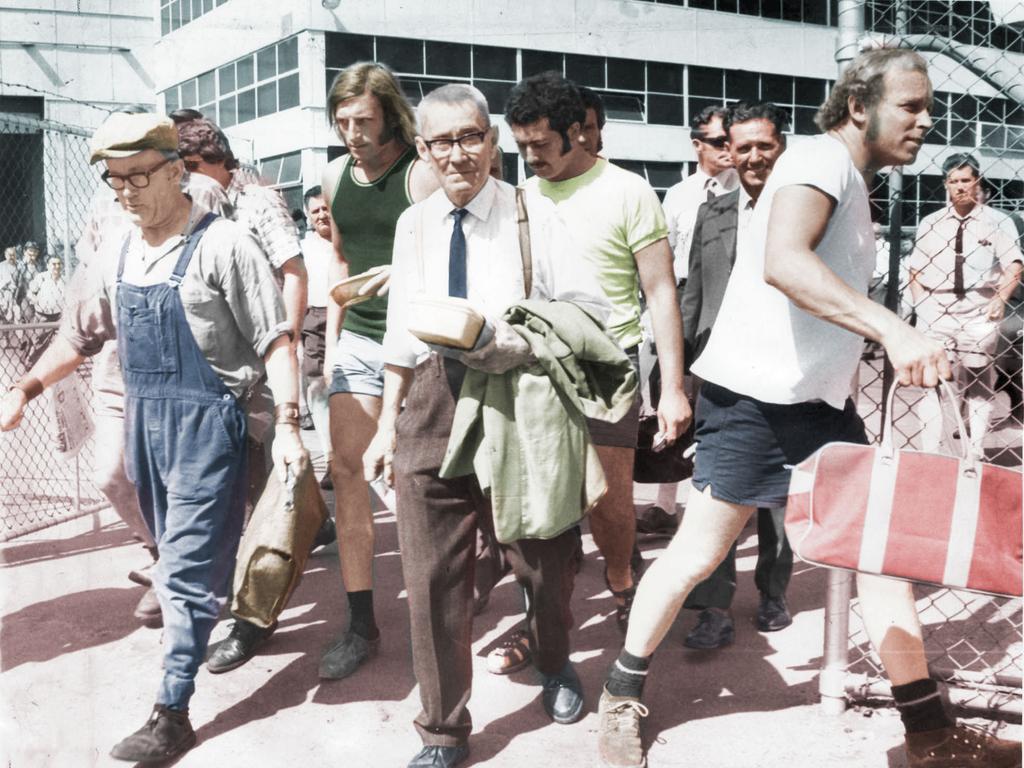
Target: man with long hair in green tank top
x=367, y=190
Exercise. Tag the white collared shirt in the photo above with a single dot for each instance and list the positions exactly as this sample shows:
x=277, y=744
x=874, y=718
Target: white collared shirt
x=681, y=204
x=494, y=267
x=317, y=253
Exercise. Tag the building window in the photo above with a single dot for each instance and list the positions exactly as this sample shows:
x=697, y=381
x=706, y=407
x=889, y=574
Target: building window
x=964, y=22
x=256, y=85
x=284, y=173
x=423, y=65
x=976, y=122
x=659, y=175
x=175, y=14
x=807, y=11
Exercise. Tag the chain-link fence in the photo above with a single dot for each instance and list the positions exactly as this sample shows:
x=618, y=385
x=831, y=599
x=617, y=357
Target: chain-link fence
x=950, y=235
x=48, y=188
x=37, y=488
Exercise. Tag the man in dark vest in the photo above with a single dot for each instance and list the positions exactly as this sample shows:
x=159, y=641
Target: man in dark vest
x=756, y=139
x=366, y=190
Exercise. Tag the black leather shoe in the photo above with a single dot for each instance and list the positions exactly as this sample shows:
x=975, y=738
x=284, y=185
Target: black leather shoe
x=714, y=630
x=238, y=647
x=773, y=614
x=563, y=696
x=346, y=654
x=167, y=734
x=440, y=757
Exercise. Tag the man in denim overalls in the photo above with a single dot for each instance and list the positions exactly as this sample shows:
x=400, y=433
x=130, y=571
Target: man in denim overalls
x=198, y=315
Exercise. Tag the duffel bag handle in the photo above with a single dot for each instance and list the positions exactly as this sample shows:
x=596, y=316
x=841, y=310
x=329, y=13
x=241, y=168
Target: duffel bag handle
x=943, y=388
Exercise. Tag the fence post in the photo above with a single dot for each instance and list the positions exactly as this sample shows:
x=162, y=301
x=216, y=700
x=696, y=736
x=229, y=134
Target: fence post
x=832, y=683
x=66, y=256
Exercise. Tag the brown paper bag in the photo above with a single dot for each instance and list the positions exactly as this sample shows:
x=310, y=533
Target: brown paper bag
x=274, y=548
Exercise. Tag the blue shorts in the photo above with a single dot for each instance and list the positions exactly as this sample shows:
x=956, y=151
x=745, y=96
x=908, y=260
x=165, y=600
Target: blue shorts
x=745, y=447
x=358, y=366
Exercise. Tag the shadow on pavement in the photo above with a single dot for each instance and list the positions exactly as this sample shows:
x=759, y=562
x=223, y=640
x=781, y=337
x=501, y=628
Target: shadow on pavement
x=116, y=535
x=43, y=631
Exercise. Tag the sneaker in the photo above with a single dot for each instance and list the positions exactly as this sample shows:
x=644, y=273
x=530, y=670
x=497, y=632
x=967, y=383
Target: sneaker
x=655, y=521
x=714, y=630
x=563, y=695
x=773, y=614
x=960, y=746
x=147, y=611
x=167, y=734
x=346, y=654
x=239, y=646
x=619, y=742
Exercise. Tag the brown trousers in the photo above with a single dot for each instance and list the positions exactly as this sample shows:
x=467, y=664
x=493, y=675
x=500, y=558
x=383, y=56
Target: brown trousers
x=437, y=532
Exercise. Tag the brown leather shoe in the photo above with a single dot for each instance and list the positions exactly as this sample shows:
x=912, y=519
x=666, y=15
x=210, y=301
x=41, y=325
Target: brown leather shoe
x=960, y=746
x=148, y=610
x=167, y=734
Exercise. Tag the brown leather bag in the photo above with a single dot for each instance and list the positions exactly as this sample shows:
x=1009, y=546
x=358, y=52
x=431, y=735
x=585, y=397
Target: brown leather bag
x=274, y=548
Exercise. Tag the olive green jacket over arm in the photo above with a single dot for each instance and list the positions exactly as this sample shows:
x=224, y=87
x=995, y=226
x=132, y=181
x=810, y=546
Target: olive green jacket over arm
x=523, y=432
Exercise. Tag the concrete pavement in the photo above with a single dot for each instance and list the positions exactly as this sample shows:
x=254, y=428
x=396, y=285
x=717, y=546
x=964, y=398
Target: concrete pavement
x=77, y=674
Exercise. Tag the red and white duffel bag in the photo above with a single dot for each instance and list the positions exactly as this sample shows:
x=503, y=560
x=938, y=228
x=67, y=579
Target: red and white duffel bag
x=952, y=521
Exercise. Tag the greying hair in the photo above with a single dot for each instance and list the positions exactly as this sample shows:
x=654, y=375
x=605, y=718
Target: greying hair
x=454, y=93
x=864, y=82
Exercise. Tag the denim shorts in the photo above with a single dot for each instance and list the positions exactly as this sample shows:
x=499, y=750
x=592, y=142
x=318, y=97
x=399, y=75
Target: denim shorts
x=622, y=433
x=745, y=448
x=358, y=366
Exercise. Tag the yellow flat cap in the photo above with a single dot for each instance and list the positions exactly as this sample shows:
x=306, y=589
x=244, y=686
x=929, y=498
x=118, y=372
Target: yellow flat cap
x=123, y=135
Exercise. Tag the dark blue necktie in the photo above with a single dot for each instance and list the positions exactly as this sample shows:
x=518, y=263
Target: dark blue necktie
x=457, y=257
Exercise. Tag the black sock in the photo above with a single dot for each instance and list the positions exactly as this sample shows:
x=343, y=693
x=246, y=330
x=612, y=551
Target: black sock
x=361, y=621
x=920, y=706
x=628, y=675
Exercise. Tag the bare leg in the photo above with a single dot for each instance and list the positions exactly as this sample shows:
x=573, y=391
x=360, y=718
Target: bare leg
x=892, y=624
x=707, y=531
x=353, y=424
x=613, y=521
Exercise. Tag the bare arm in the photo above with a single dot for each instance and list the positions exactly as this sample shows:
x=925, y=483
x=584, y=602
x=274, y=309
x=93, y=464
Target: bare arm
x=337, y=270
x=283, y=378
x=1008, y=282
x=654, y=265
x=797, y=222
x=378, y=456
x=295, y=291
x=59, y=359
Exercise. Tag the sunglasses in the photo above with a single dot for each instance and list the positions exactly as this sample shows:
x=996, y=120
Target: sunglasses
x=718, y=142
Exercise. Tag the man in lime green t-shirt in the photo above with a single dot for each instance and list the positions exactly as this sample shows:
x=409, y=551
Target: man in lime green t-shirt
x=617, y=220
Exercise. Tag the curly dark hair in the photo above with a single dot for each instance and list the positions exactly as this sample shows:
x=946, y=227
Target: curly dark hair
x=546, y=95
x=743, y=111
x=864, y=81
x=202, y=137
x=592, y=100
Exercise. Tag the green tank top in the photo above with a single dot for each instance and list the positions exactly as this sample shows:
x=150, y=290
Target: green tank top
x=367, y=214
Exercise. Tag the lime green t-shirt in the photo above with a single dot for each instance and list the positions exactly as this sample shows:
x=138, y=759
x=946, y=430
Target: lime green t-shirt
x=611, y=214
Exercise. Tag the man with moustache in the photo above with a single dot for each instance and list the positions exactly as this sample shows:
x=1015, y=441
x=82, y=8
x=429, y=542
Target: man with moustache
x=617, y=221
x=756, y=140
x=467, y=236
x=964, y=269
x=366, y=191
x=777, y=389
x=199, y=317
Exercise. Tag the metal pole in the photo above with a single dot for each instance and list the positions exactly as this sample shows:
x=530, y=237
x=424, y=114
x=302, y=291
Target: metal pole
x=65, y=257
x=832, y=683
x=850, y=24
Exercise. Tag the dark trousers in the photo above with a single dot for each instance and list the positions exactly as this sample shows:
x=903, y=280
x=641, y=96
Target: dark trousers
x=438, y=522
x=771, y=575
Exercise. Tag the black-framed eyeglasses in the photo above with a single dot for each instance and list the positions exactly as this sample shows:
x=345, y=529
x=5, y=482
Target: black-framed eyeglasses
x=469, y=142
x=138, y=180
x=718, y=142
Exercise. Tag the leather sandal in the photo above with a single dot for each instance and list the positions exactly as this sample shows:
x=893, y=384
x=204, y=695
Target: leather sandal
x=512, y=655
x=626, y=596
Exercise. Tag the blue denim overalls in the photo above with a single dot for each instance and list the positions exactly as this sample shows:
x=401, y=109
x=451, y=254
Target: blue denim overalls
x=185, y=438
